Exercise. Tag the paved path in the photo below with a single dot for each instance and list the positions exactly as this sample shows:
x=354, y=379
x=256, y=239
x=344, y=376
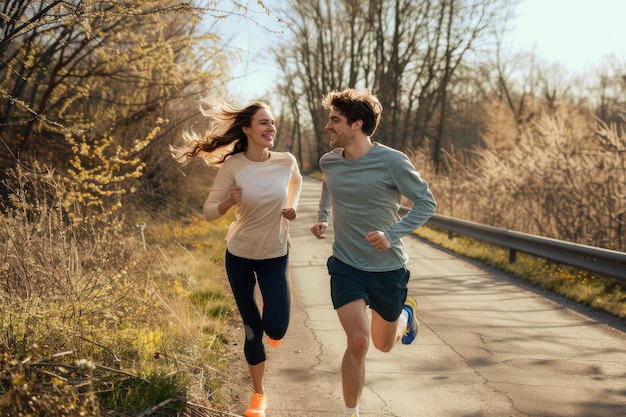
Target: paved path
x=487, y=346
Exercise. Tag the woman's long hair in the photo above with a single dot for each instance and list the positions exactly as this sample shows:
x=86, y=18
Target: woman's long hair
x=225, y=135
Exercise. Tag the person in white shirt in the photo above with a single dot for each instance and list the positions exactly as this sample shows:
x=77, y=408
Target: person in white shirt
x=264, y=187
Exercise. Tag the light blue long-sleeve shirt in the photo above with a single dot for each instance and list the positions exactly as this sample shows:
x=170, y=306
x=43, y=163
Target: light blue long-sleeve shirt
x=364, y=195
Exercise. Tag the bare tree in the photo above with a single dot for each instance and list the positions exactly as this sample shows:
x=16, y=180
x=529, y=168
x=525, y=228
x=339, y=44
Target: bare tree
x=87, y=83
x=609, y=83
x=460, y=25
x=406, y=52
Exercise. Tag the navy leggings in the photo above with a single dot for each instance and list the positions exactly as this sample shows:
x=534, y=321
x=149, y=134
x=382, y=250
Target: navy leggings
x=271, y=275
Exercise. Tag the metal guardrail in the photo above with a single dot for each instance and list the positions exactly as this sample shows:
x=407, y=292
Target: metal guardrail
x=596, y=260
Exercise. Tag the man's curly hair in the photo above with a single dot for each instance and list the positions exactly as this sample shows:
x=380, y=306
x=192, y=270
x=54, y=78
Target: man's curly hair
x=356, y=104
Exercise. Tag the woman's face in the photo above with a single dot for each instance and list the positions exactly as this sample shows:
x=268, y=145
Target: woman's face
x=262, y=129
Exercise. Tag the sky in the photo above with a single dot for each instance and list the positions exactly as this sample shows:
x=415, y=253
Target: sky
x=574, y=33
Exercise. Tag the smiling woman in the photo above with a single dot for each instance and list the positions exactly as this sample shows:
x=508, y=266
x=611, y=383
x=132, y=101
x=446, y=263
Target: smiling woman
x=264, y=188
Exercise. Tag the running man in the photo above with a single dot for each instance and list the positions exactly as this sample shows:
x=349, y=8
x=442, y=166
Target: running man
x=364, y=182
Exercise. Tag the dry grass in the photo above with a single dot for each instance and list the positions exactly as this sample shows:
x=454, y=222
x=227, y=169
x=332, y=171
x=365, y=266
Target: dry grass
x=91, y=319
x=565, y=178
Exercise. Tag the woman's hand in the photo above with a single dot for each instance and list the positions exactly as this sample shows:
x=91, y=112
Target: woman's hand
x=233, y=198
x=235, y=194
x=289, y=214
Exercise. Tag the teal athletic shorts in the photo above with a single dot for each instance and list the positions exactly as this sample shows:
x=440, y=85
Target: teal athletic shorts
x=385, y=292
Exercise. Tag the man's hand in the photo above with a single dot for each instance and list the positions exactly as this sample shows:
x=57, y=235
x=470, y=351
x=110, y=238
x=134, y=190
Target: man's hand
x=378, y=240
x=319, y=230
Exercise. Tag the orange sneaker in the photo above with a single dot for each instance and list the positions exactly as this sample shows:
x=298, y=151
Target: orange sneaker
x=257, y=406
x=274, y=343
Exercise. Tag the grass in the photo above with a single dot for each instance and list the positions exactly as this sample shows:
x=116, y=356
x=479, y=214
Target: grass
x=92, y=322
x=602, y=293
x=156, y=347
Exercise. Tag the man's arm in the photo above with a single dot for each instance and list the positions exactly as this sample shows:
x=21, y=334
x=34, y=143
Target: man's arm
x=411, y=185
x=323, y=214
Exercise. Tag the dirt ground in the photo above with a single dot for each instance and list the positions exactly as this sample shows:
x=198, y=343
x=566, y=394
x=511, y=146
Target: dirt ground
x=236, y=390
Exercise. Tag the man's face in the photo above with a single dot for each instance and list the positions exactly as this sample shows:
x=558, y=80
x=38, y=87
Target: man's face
x=341, y=133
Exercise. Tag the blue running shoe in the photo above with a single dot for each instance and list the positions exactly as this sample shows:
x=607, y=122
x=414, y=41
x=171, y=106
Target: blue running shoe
x=410, y=305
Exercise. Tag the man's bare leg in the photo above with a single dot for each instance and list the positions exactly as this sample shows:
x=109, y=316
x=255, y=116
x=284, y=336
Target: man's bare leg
x=353, y=318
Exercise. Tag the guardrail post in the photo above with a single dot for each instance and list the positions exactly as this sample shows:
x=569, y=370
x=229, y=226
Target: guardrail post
x=512, y=254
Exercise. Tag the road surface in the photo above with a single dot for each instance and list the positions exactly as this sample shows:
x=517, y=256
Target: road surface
x=487, y=345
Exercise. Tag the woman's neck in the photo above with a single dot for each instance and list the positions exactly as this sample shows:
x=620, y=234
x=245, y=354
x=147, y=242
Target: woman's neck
x=257, y=155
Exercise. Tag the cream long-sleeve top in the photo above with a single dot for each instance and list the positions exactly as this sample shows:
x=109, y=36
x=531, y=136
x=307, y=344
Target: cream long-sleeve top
x=259, y=231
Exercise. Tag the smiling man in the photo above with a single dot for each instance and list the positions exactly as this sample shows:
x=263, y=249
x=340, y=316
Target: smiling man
x=364, y=182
